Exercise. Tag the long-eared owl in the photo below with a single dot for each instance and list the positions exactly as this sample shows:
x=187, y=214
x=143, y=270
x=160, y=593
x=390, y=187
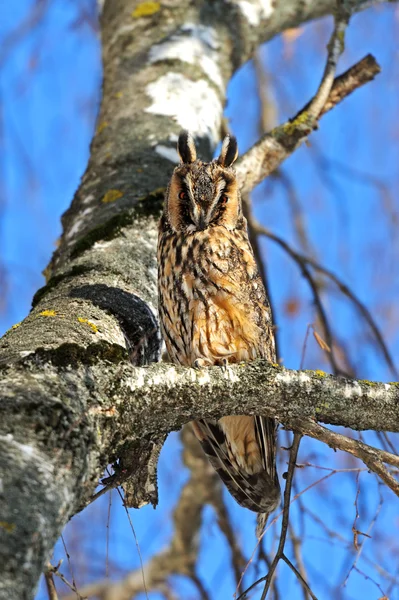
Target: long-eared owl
x=214, y=311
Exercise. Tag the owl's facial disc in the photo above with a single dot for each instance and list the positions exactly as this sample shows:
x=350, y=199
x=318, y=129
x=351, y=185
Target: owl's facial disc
x=203, y=195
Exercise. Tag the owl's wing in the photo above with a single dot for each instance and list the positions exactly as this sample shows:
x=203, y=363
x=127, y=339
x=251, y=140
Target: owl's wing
x=256, y=491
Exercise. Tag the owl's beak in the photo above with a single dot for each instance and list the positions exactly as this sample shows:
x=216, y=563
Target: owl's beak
x=200, y=217
x=202, y=221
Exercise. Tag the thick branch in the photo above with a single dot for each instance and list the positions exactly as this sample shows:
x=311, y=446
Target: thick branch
x=259, y=388
x=162, y=397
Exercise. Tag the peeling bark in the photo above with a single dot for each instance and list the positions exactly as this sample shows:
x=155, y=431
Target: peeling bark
x=74, y=392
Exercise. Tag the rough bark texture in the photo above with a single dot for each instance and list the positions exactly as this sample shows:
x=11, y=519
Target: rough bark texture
x=71, y=399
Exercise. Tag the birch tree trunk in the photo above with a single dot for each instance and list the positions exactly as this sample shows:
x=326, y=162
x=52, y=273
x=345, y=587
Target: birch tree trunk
x=74, y=393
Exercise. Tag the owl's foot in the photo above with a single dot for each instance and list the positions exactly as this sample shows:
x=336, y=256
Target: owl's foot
x=200, y=363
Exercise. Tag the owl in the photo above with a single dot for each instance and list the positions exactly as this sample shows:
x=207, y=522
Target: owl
x=214, y=311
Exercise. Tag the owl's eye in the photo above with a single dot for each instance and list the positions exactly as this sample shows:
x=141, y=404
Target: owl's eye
x=224, y=199
x=183, y=195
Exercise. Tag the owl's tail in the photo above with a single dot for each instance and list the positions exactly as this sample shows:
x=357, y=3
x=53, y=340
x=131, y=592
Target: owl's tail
x=243, y=452
x=261, y=521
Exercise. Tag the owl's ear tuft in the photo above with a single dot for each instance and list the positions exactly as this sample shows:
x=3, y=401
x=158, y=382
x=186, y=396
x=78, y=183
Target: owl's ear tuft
x=186, y=147
x=229, y=151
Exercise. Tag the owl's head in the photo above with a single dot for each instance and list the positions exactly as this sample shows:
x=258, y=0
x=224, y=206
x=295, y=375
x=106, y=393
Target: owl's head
x=202, y=195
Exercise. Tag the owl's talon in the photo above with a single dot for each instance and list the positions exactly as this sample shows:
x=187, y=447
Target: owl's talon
x=199, y=363
x=224, y=365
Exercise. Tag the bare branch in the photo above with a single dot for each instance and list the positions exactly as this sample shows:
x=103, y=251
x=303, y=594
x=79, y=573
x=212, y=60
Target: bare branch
x=297, y=548
x=284, y=529
x=300, y=577
x=54, y=570
x=359, y=549
x=372, y=457
x=181, y=554
x=286, y=513
x=271, y=150
x=335, y=48
x=302, y=260
x=321, y=313
x=261, y=263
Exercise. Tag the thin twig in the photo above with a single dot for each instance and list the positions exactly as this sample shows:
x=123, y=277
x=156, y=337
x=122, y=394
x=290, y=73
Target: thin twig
x=286, y=512
x=310, y=325
x=347, y=470
x=297, y=548
x=113, y=481
x=327, y=332
x=226, y=527
x=335, y=48
x=297, y=215
x=301, y=259
x=348, y=544
x=355, y=530
x=284, y=525
x=305, y=585
x=368, y=578
x=295, y=498
x=179, y=557
x=135, y=539
x=383, y=436
x=72, y=587
x=107, y=536
x=263, y=556
x=261, y=263
x=372, y=457
x=360, y=306
x=360, y=548
x=70, y=567
x=107, y=488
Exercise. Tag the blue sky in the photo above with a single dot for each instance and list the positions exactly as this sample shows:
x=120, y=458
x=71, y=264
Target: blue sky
x=346, y=185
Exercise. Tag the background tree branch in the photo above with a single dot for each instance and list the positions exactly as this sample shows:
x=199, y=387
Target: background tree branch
x=274, y=147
